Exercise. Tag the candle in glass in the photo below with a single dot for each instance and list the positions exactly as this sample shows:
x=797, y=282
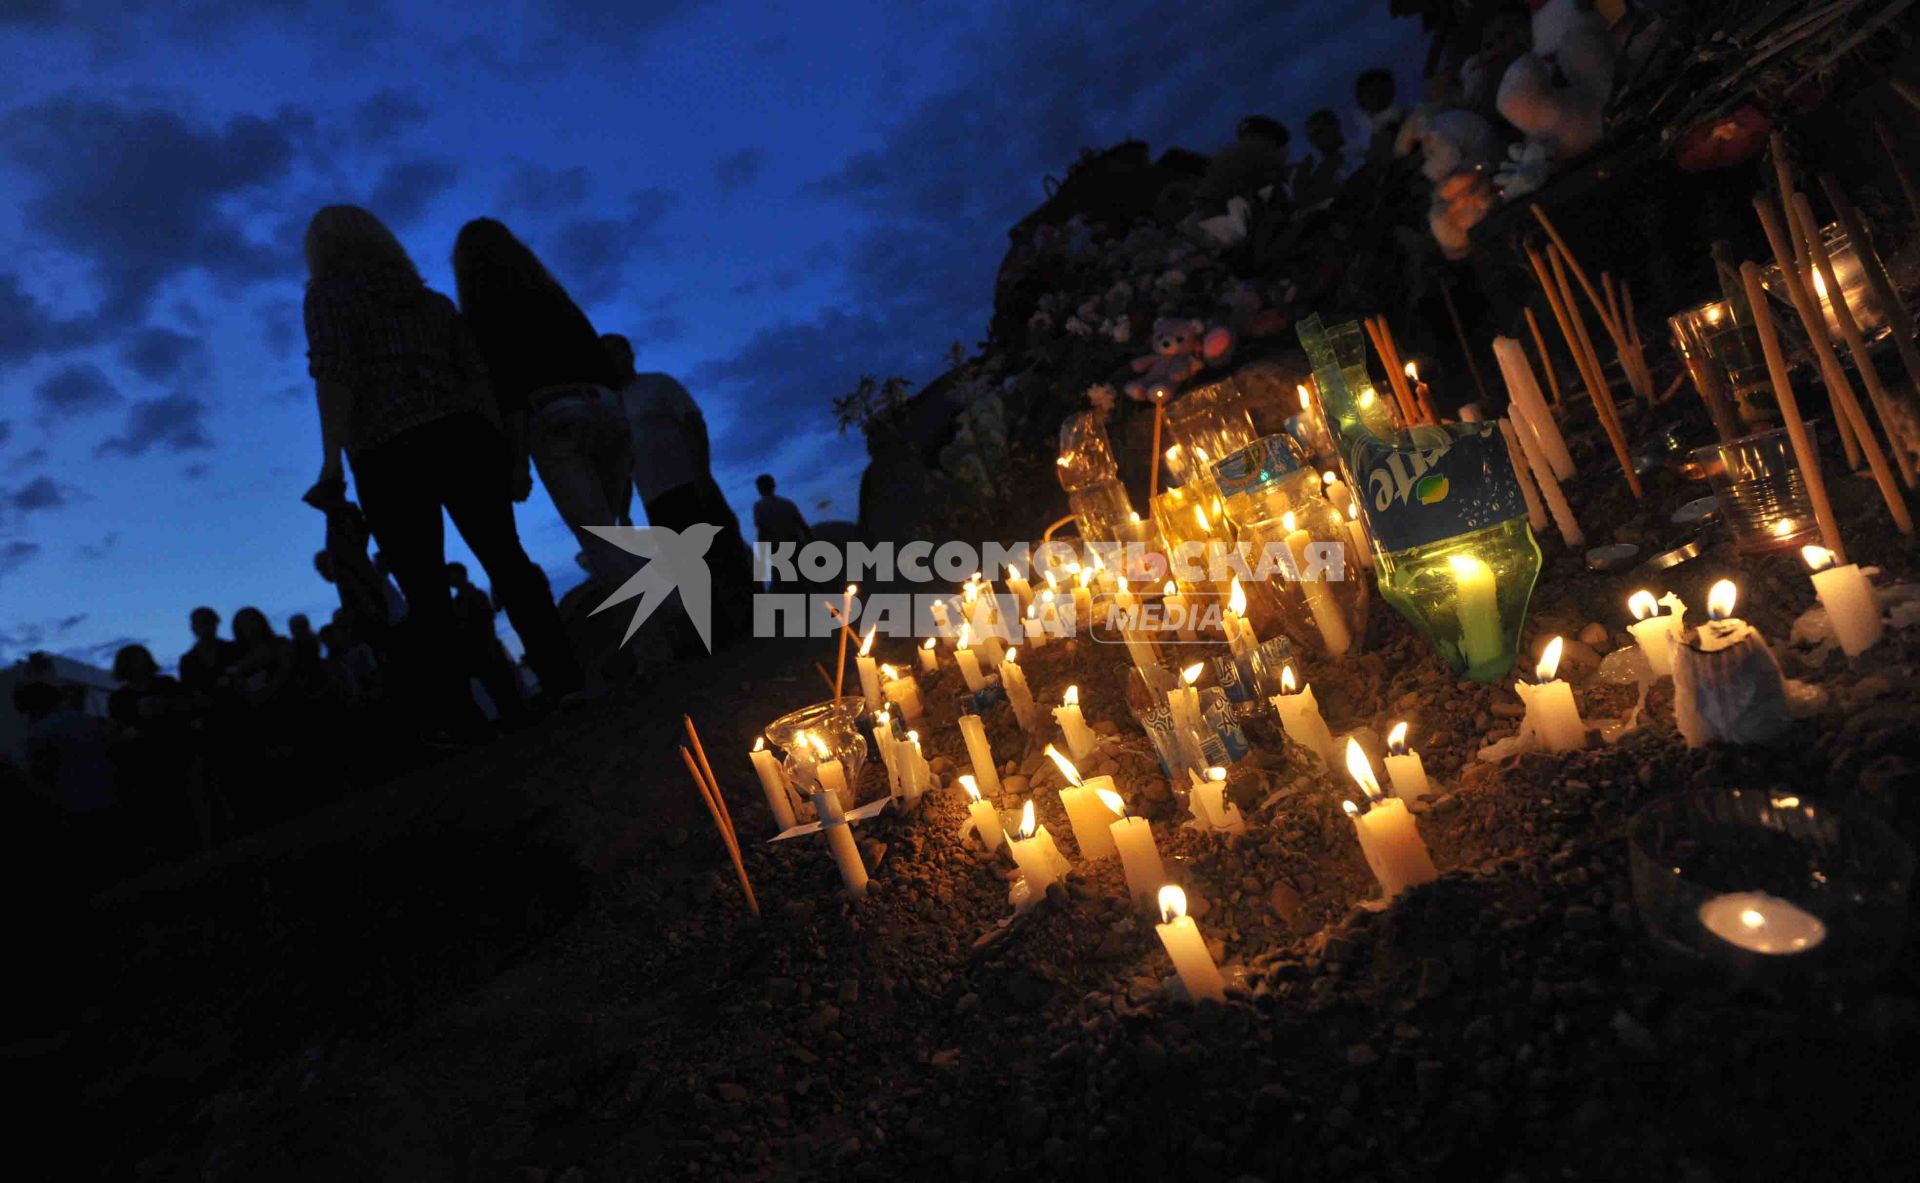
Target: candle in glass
x=1086, y=813
x=1039, y=860
x=1389, y=838
x=930, y=656
x=969, y=663
x=1189, y=726
x=1357, y=537
x=1551, y=717
x=902, y=690
x=1300, y=717
x=1191, y=959
x=1335, y=637
x=1014, y=679
x=869, y=669
x=1761, y=923
x=1081, y=741
x=829, y=773
x=1174, y=609
x=1654, y=632
x=1847, y=595
x=1082, y=596
x=982, y=818
x=974, y=732
x=1337, y=491
x=1405, y=771
x=1133, y=839
x=1477, y=606
x=1022, y=590
x=773, y=782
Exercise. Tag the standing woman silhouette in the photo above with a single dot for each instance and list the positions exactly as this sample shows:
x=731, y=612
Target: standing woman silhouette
x=403, y=393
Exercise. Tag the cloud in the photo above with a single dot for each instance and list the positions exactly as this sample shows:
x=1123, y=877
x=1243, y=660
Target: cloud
x=162, y=355
x=28, y=329
x=140, y=194
x=16, y=554
x=94, y=551
x=175, y=422
x=589, y=255
x=281, y=327
x=6, y=430
x=30, y=13
x=534, y=189
x=383, y=115
x=196, y=471
x=736, y=170
x=71, y=391
x=42, y=492
x=405, y=189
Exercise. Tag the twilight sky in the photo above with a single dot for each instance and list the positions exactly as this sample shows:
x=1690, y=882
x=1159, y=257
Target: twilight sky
x=770, y=199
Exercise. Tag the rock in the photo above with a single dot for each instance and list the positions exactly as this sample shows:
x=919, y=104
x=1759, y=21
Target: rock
x=1015, y=785
x=824, y=1018
x=1435, y=975
x=1286, y=903
x=967, y=1005
x=731, y=1093
x=1156, y=788
x=873, y=851
x=1594, y=634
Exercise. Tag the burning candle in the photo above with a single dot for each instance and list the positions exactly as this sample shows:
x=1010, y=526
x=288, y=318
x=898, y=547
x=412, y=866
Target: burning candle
x=1337, y=491
x=1552, y=717
x=888, y=746
x=969, y=664
x=930, y=656
x=902, y=690
x=982, y=818
x=1184, y=944
x=1082, y=597
x=1133, y=839
x=975, y=733
x=869, y=669
x=1014, y=679
x=1092, y=821
x=914, y=769
x=1761, y=923
x=1656, y=633
x=1174, y=608
x=829, y=773
x=1300, y=717
x=1233, y=622
x=1404, y=769
x=1081, y=741
x=1422, y=393
x=1034, y=627
x=1477, y=605
x=1021, y=589
x=1039, y=860
x=1335, y=637
x=1357, y=537
x=1847, y=595
x=773, y=782
x=1389, y=838
x=1726, y=684
x=846, y=854
x=1189, y=726
x=1208, y=802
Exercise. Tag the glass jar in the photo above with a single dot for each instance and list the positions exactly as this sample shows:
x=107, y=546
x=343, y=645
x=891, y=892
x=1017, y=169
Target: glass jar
x=1205, y=423
x=1851, y=271
x=1091, y=478
x=836, y=725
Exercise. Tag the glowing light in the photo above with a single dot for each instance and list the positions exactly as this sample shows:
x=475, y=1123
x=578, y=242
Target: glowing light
x=1134, y=517
x=866, y=646
x=1086, y=576
x=1200, y=515
x=1287, y=683
x=1192, y=673
x=1351, y=809
x=819, y=746
x=966, y=633
x=889, y=673
x=1642, y=605
x=1550, y=660
x=1397, y=739
x=1366, y=397
x=1411, y=371
x=1013, y=654
x=1353, y=511
x=760, y=744
x=1026, y=823
x=1329, y=478
x=1236, y=598
x=1112, y=801
x=1287, y=522
x=1013, y=572
x=1721, y=598
x=1305, y=402
x=971, y=786
x=1169, y=590
x=1361, y=770
x=1784, y=528
x=1817, y=557
x=1173, y=903
x=1071, y=697
x=932, y=641
x=1752, y=919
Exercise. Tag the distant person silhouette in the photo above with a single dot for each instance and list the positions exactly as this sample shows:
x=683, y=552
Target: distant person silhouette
x=673, y=473
x=776, y=519
x=1317, y=179
x=486, y=658
x=554, y=386
x=403, y=393
x=345, y=564
x=202, y=666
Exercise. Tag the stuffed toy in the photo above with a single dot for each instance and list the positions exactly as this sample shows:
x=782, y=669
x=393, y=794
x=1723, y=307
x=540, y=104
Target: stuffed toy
x=1455, y=149
x=1177, y=346
x=1556, y=93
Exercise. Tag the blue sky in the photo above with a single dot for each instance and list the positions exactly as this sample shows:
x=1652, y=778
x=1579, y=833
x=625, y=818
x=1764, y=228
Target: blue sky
x=770, y=199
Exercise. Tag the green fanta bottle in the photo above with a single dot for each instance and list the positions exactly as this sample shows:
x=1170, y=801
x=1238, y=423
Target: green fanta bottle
x=1452, y=547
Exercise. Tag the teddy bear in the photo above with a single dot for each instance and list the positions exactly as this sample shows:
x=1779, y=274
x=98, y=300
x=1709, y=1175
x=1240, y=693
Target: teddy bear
x=1177, y=346
x=1455, y=148
x=1556, y=94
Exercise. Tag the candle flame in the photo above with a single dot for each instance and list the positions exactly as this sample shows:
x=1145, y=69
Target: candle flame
x=1073, y=568
x=1819, y=284
x=1361, y=770
x=1351, y=809
x=1173, y=903
x=1013, y=572
x=1817, y=557
x=1713, y=314
x=1200, y=452
x=1784, y=528
x=1216, y=773
x=1642, y=605
x=1065, y=765
x=1366, y=397
x=1172, y=452
x=1287, y=683
x=1750, y=917
x=1397, y=739
x=1305, y=402
x=913, y=737
x=819, y=746
x=1050, y=583
x=965, y=632
x=969, y=591
x=1112, y=800
x=1169, y=590
x=1086, y=575
x=1099, y=564
x=1192, y=673
x=1026, y=822
x=1467, y=567
x=1353, y=511
x=931, y=642
x=971, y=785
x=1411, y=371
x=760, y=744
x=1033, y=613
x=889, y=672
x=1012, y=655
x=1200, y=515
x=866, y=646
x=1236, y=598
x=1071, y=697
x=1720, y=599
x=1134, y=517
x=1549, y=660
x=1287, y=522
x=1329, y=478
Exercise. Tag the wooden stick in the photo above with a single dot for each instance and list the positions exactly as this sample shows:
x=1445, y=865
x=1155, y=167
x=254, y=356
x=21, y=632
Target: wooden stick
x=1376, y=329
x=1596, y=379
x=1397, y=371
x=1883, y=406
x=1633, y=323
x=1900, y=173
x=733, y=848
x=1153, y=474
x=1466, y=349
x=1803, y=447
x=846, y=627
x=1784, y=188
x=1546, y=359
x=713, y=782
x=1882, y=285
x=1849, y=432
x=825, y=677
x=1838, y=389
x=1612, y=292
x=1635, y=379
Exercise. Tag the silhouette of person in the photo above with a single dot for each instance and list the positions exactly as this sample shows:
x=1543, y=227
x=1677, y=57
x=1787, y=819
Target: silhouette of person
x=776, y=519
x=152, y=751
x=486, y=657
x=202, y=666
x=1317, y=178
x=554, y=386
x=403, y=393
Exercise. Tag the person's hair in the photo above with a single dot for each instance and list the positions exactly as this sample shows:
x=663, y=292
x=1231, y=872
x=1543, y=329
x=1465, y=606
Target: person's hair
x=456, y=571
x=1262, y=127
x=1321, y=118
x=131, y=661
x=298, y=623
x=251, y=620
x=203, y=613
x=347, y=240
x=487, y=256
x=764, y=483
x=619, y=350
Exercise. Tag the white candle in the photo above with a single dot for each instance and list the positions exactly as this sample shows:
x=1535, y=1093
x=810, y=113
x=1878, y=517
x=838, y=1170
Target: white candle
x=930, y=656
x=969, y=664
x=1761, y=923
x=1081, y=741
x=829, y=774
x=1335, y=637
x=1184, y=944
x=846, y=853
x=1357, y=538
x=1388, y=836
x=983, y=820
x=1300, y=718
x=1208, y=802
x=1086, y=812
x=1847, y=595
x=1189, y=726
x=914, y=769
x=1034, y=628
x=869, y=668
x=941, y=623
x=773, y=782
x=1039, y=860
x=1404, y=768
x=1656, y=633
x=975, y=733
x=888, y=746
x=1174, y=608
x=1533, y=414
x=1552, y=717
x=1133, y=840
x=903, y=691
x=1014, y=679
x=1478, y=608
x=1021, y=589
x=1337, y=491
x=1050, y=612
x=1083, y=599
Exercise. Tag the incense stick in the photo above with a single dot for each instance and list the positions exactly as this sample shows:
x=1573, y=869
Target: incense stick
x=733, y=847
x=1153, y=473
x=1546, y=359
x=1803, y=450
x=1635, y=379
x=1597, y=388
x=700, y=750
x=1882, y=285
